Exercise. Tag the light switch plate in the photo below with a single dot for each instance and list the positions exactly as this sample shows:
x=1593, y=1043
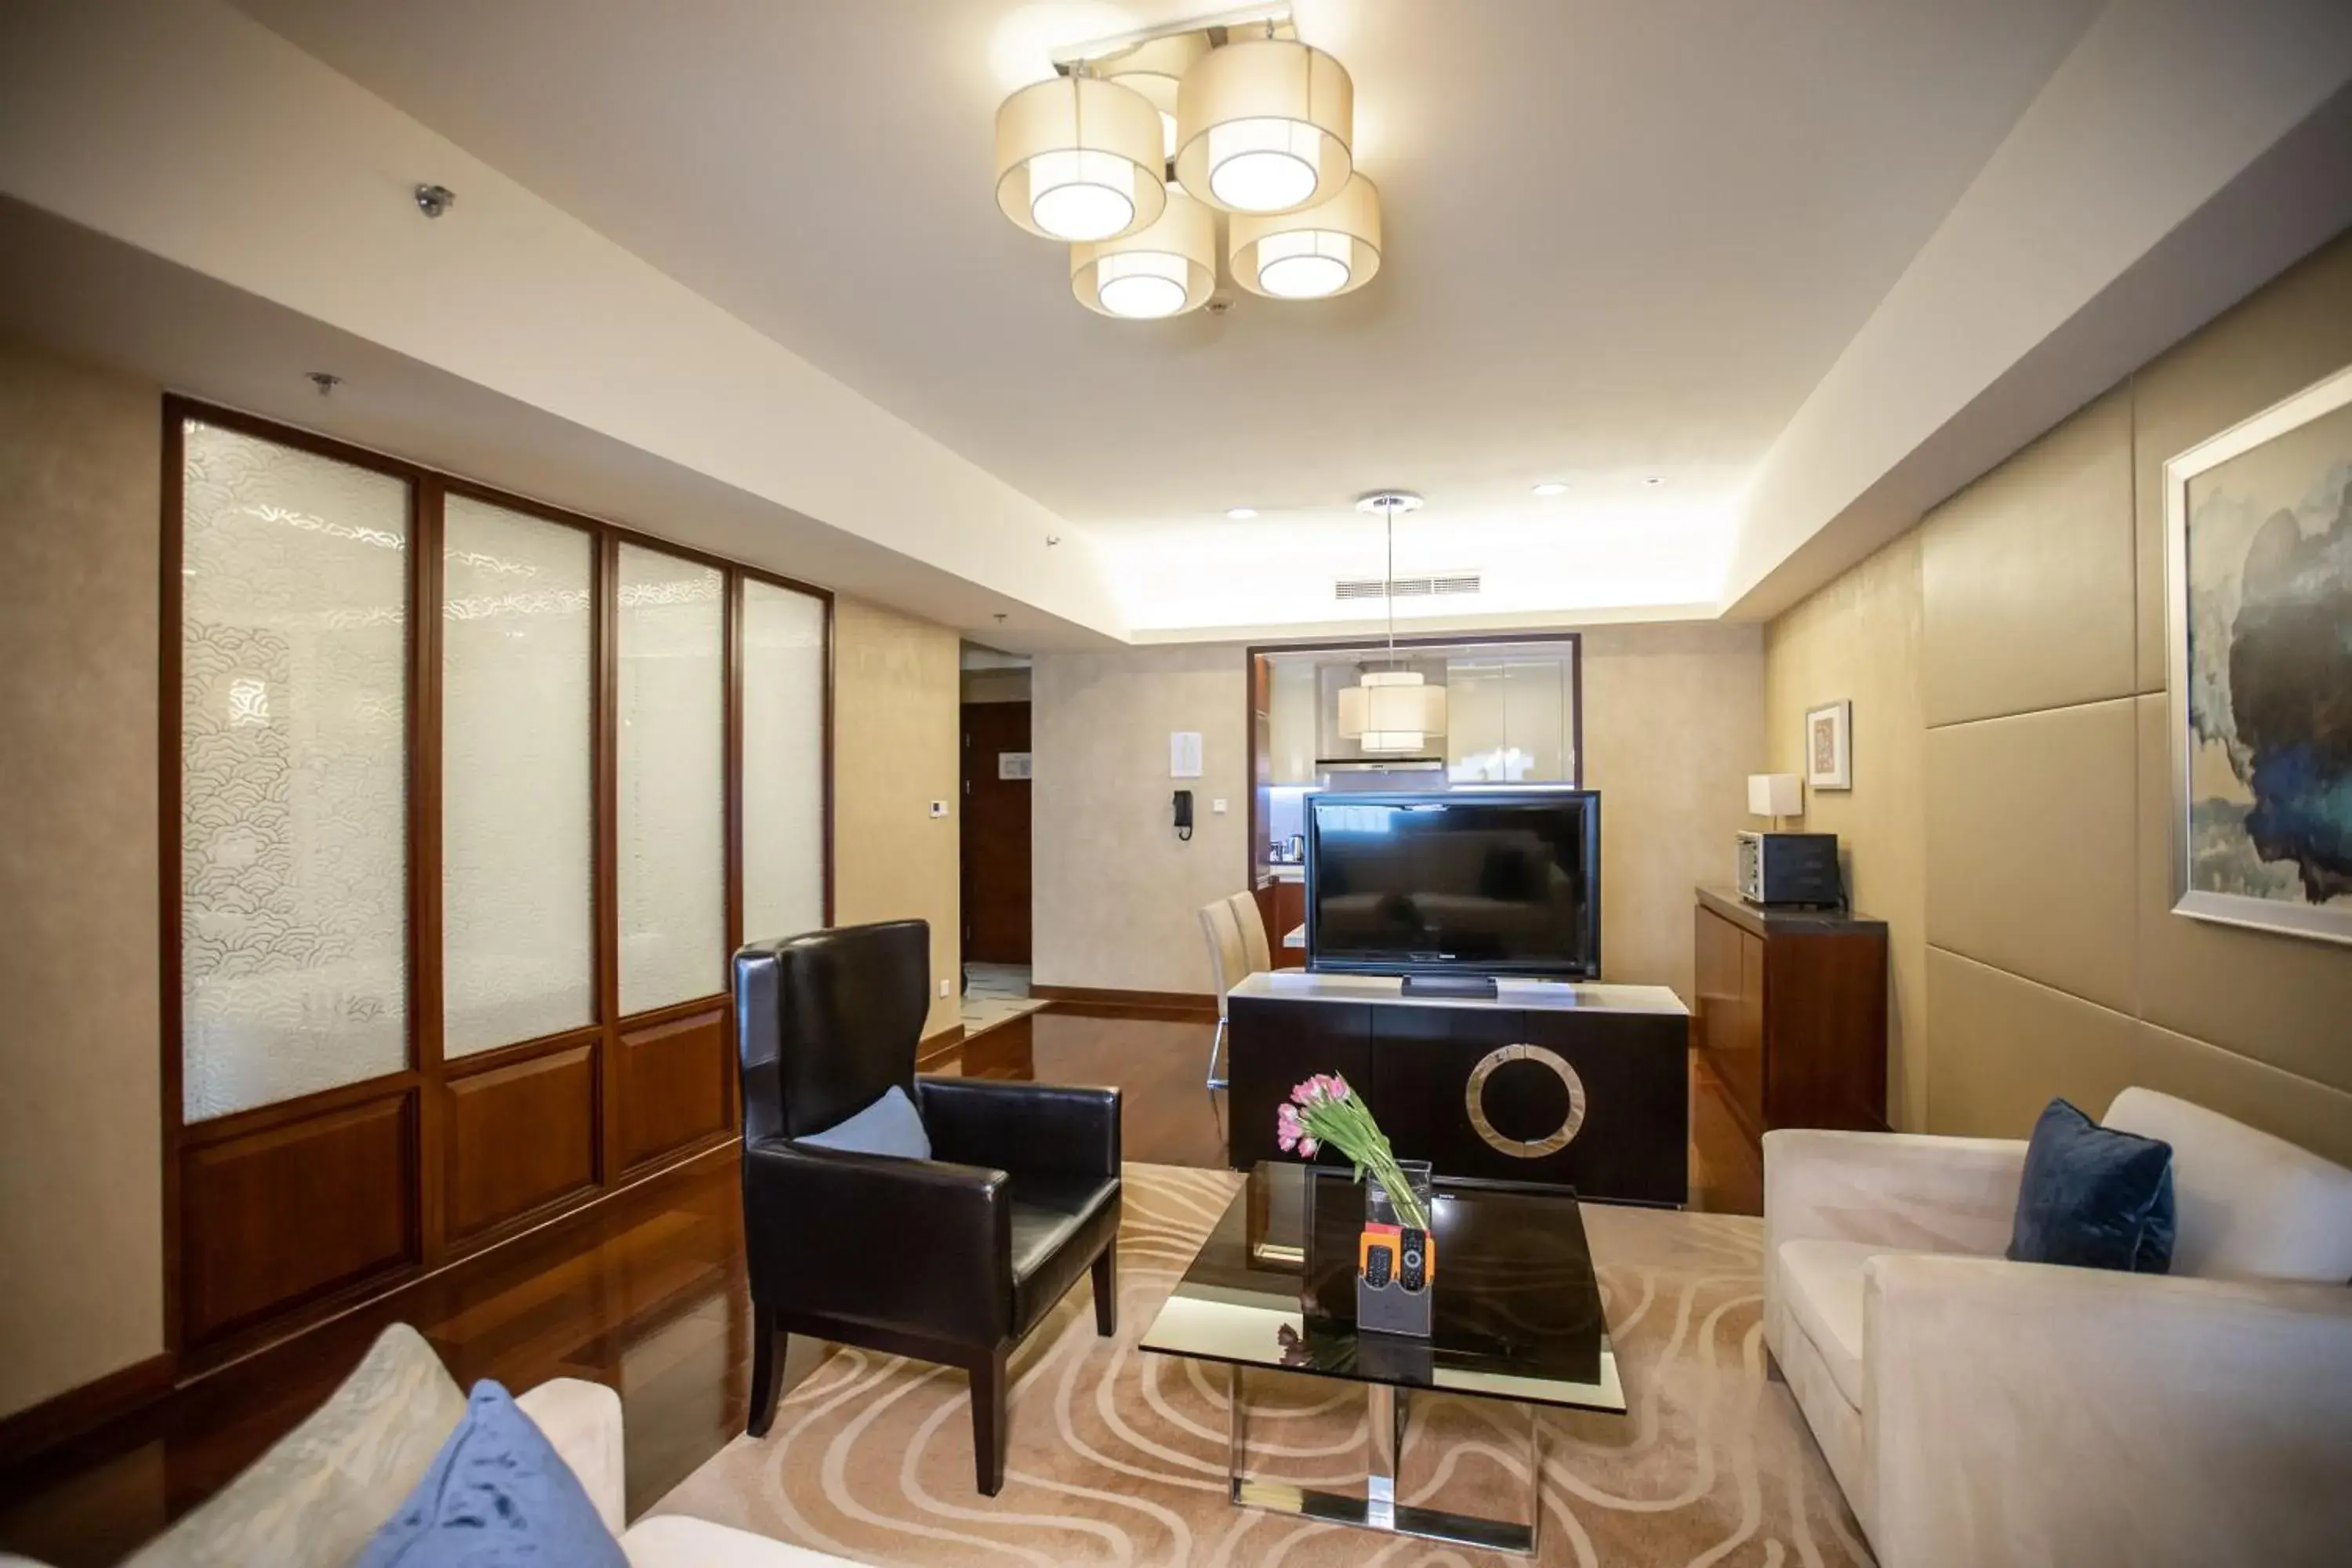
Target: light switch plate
x=1218, y=807
x=943, y=987
x=938, y=808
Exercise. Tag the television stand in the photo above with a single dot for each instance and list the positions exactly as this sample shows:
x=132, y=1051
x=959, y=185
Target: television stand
x=1481, y=987
x=1585, y=1085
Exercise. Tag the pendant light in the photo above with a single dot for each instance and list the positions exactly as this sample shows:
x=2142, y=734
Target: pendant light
x=1330, y=248
x=1263, y=125
x=1079, y=159
x=1392, y=712
x=1165, y=270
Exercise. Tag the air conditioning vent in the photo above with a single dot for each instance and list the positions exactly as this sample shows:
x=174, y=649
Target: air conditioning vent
x=1437, y=583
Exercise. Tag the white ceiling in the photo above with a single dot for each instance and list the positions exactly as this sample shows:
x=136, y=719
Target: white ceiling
x=1624, y=240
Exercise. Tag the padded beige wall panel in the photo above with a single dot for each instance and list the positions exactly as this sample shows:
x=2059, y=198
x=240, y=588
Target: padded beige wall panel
x=2279, y=340
x=897, y=729
x=2283, y=999
x=2280, y=1103
x=81, y=1238
x=2026, y=577
x=2000, y=1047
x=1858, y=638
x=2030, y=853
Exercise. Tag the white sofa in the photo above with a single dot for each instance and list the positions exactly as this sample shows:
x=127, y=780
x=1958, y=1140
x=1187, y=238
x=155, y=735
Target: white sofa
x=319, y=1493
x=1979, y=1411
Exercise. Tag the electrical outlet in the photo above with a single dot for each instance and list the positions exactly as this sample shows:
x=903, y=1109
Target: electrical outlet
x=943, y=987
x=938, y=808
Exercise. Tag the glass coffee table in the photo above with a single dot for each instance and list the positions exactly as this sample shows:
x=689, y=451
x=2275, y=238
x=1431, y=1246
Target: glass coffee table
x=1517, y=1316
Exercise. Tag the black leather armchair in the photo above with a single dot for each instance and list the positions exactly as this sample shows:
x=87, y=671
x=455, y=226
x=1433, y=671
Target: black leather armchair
x=952, y=1259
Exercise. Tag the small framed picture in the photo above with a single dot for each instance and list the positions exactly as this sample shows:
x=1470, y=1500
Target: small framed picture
x=1829, y=745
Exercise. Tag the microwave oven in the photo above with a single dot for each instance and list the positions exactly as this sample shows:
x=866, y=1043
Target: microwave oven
x=1790, y=868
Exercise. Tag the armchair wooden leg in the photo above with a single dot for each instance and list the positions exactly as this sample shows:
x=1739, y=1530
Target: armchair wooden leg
x=765, y=1373
x=1107, y=1290
x=988, y=1419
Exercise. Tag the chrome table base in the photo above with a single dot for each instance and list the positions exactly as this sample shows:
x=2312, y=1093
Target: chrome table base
x=1379, y=1509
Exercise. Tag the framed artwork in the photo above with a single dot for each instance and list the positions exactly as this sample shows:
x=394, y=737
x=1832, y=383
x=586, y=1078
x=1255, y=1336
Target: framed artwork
x=2258, y=601
x=1829, y=745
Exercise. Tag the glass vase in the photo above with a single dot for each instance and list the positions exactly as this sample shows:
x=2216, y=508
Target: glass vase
x=1380, y=1208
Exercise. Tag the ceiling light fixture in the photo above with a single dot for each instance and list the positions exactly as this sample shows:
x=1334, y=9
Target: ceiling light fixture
x=1390, y=711
x=1241, y=513
x=1153, y=68
x=1551, y=488
x=1132, y=150
x=1313, y=253
x=1265, y=125
x=1163, y=269
x=1078, y=158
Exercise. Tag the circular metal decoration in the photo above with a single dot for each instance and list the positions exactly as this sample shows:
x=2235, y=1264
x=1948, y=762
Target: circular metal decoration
x=1474, y=1096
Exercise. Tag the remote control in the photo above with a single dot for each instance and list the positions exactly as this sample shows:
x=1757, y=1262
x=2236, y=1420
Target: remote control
x=1413, y=1272
x=1376, y=1268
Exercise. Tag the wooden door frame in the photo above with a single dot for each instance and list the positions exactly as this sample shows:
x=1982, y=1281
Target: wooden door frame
x=421, y=1081
x=1255, y=662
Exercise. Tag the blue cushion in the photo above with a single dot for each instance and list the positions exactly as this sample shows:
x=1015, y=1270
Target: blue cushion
x=889, y=1126
x=497, y=1496
x=2093, y=1198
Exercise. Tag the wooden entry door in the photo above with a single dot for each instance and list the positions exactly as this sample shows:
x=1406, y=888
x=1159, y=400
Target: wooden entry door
x=995, y=833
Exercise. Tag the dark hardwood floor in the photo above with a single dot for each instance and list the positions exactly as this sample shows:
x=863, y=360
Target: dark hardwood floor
x=646, y=1296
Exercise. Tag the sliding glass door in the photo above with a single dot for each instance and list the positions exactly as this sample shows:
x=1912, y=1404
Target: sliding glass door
x=474, y=798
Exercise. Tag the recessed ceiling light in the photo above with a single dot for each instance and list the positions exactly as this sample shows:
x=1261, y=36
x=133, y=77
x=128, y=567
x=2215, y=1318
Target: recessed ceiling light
x=1241, y=513
x=1655, y=480
x=1551, y=488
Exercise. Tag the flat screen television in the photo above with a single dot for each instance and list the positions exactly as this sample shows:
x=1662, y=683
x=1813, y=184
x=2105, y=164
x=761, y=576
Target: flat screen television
x=1469, y=882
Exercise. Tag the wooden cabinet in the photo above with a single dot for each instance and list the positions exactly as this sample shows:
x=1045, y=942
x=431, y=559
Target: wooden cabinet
x=1282, y=904
x=1591, y=1096
x=1791, y=1015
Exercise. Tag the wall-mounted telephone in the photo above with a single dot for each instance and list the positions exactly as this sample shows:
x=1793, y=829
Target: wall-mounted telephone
x=1184, y=814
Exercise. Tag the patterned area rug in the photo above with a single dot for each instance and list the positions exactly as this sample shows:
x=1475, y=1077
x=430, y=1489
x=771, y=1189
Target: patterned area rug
x=1119, y=1457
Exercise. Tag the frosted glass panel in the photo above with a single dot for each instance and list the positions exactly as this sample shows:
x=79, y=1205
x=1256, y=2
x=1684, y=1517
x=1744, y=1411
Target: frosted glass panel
x=293, y=788
x=518, y=851
x=783, y=762
x=1510, y=720
x=672, y=836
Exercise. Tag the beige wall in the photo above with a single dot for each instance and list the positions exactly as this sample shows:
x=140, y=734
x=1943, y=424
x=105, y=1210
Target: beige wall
x=1117, y=894
x=81, y=1145
x=1858, y=638
x=894, y=723
x=1673, y=724
x=2021, y=848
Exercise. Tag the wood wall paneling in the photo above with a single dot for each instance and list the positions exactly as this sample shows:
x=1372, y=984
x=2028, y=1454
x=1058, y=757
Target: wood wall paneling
x=675, y=1077
x=520, y=1135
x=278, y=1217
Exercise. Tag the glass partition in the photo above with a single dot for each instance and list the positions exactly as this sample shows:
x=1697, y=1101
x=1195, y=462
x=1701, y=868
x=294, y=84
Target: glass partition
x=294, y=772
x=517, y=845
x=783, y=760
x=671, y=740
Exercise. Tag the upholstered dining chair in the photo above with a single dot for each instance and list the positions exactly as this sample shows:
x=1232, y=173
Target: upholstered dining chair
x=1229, y=927
x=1257, y=950
x=951, y=1259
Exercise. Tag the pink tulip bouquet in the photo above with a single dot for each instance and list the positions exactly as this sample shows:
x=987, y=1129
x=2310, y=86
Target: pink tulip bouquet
x=1324, y=1110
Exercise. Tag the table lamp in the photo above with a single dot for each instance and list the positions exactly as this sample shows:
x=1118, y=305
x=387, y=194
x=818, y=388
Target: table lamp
x=1776, y=795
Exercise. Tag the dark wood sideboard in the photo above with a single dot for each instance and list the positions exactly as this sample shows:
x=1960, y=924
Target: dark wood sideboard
x=1790, y=1017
